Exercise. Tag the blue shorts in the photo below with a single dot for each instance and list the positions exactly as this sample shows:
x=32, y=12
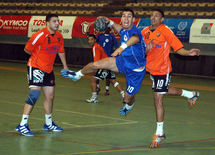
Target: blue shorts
x=133, y=78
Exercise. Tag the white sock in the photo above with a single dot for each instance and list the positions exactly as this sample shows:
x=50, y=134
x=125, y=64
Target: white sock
x=94, y=94
x=107, y=88
x=129, y=106
x=24, y=120
x=122, y=93
x=159, y=130
x=188, y=94
x=79, y=73
x=48, y=118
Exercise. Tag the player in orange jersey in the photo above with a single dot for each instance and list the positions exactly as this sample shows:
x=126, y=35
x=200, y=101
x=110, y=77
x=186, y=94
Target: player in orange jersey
x=43, y=47
x=99, y=54
x=159, y=67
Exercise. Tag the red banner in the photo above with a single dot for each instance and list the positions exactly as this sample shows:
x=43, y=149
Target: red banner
x=83, y=25
x=14, y=24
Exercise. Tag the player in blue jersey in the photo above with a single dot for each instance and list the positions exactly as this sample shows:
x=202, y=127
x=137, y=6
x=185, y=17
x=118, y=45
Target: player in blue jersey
x=109, y=44
x=129, y=59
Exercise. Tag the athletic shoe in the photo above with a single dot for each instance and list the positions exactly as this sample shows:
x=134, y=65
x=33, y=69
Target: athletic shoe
x=92, y=100
x=24, y=130
x=70, y=74
x=98, y=90
x=52, y=127
x=193, y=100
x=107, y=93
x=157, y=140
x=124, y=110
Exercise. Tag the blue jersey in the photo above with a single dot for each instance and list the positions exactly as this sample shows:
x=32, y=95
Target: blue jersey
x=108, y=42
x=133, y=56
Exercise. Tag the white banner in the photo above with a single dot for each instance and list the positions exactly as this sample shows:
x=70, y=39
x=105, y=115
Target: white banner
x=66, y=25
x=203, y=31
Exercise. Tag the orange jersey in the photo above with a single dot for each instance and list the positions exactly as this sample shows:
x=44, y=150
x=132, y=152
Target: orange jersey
x=44, y=48
x=98, y=52
x=158, y=61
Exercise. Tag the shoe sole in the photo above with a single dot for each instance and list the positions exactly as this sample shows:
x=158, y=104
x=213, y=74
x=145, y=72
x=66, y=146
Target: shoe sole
x=53, y=130
x=23, y=133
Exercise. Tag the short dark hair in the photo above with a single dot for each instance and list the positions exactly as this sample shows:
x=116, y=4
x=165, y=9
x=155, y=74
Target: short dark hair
x=91, y=35
x=128, y=9
x=160, y=11
x=49, y=16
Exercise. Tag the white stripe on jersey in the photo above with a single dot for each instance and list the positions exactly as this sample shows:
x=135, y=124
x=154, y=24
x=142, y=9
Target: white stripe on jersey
x=35, y=40
x=94, y=53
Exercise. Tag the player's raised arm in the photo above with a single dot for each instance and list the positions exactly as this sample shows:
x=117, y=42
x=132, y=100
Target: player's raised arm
x=191, y=52
x=112, y=24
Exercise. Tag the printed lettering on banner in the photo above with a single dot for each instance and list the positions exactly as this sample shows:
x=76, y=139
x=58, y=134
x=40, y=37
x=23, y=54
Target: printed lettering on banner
x=14, y=24
x=65, y=28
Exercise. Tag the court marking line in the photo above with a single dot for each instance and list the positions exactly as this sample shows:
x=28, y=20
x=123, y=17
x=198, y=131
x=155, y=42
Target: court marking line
x=68, y=124
x=79, y=113
x=146, y=148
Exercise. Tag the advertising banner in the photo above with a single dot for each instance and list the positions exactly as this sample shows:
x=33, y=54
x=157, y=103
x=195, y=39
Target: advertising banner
x=180, y=27
x=14, y=24
x=85, y=25
x=203, y=31
x=66, y=25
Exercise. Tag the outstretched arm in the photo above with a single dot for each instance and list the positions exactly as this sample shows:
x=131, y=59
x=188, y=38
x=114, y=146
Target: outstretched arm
x=191, y=52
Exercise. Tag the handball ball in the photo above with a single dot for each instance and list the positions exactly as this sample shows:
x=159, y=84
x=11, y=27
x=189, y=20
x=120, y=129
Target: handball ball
x=100, y=24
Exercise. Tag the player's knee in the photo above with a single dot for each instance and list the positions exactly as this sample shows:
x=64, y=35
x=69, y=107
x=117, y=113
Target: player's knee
x=50, y=97
x=116, y=84
x=95, y=65
x=33, y=97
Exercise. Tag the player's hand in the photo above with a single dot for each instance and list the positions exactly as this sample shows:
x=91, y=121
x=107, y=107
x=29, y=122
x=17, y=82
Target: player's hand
x=150, y=45
x=117, y=52
x=194, y=52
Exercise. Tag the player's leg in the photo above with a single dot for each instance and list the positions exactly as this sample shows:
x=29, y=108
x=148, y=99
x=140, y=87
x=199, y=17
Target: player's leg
x=192, y=96
x=49, y=93
x=133, y=81
x=118, y=87
x=160, y=86
x=97, y=87
x=107, y=63
x=93, y=98
x=107, y=86
x=35, y=79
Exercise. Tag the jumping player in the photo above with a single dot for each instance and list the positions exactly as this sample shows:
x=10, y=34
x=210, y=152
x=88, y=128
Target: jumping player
x=129, y=59
x=159, y=66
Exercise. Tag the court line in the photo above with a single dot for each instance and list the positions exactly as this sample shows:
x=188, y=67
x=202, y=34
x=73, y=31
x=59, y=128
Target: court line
x=79, y=113
x=144, y=149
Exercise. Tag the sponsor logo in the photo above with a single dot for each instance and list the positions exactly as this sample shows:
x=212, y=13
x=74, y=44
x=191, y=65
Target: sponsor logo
x=43, y=22
x=206, y=28
x=85, y=26
x=15, y=23
x=53, y=49
x=125, y=38
x=182, y=26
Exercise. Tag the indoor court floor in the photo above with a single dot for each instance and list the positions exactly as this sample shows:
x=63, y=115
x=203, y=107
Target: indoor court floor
x=98, y=128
